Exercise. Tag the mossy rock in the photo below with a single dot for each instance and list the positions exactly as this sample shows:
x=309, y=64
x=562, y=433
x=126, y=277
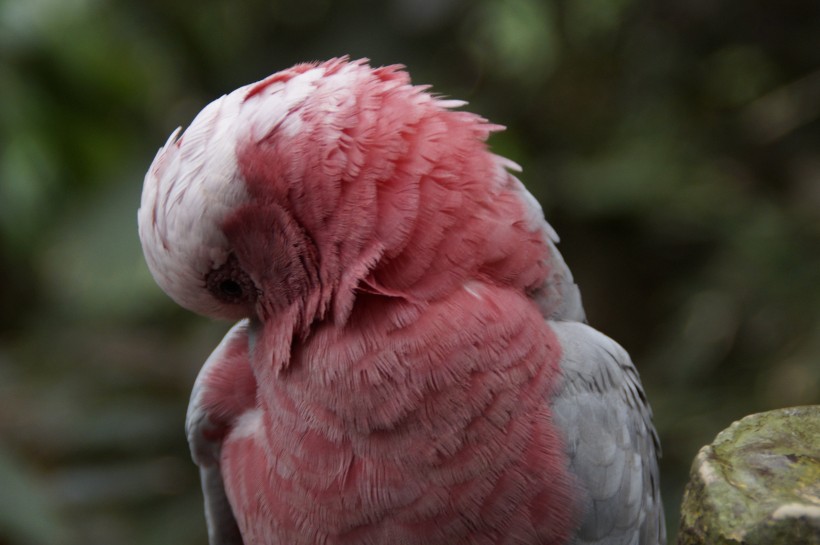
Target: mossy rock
x=758, y=483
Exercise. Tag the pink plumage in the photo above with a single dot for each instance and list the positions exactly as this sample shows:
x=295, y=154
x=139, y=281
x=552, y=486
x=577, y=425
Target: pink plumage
x=412, y=368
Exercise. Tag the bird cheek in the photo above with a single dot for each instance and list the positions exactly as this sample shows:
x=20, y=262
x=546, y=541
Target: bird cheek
x=276, y=252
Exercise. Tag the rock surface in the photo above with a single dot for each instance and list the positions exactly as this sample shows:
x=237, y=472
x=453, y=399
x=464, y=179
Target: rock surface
x=757, y=483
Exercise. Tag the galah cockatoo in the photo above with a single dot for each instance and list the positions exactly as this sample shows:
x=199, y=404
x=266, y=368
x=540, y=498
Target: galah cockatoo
x=411, y=363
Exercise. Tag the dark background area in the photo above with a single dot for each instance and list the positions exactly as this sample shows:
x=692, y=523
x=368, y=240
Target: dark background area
x=674, y=145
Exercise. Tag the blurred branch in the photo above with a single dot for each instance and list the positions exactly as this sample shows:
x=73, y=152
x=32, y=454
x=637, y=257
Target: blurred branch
x=787, y=108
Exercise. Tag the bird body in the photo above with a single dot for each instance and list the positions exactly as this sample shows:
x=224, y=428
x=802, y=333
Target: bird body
x=410, y=365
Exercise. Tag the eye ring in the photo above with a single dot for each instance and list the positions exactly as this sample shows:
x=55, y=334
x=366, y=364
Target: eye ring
x=230, y=283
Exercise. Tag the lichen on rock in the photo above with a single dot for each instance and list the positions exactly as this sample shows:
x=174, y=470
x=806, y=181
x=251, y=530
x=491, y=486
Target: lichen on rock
x=757, y=483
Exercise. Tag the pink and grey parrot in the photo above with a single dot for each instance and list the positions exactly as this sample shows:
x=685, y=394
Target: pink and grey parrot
x=411, y=363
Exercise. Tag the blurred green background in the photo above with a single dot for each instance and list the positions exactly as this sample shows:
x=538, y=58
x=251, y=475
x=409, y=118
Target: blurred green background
x=674, y=144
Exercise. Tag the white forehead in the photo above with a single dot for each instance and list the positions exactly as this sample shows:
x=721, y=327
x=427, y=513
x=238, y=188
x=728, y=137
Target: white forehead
x=194, y=183
x=192, y=178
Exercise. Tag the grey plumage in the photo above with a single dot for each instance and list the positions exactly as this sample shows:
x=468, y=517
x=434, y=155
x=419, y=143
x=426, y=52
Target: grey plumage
x=205, y=441
x=612, y=445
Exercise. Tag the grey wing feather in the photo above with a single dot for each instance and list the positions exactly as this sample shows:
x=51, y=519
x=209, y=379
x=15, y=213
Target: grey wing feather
x=559, y=297
x=201, y=429
x=612, y=445
x=222, y=526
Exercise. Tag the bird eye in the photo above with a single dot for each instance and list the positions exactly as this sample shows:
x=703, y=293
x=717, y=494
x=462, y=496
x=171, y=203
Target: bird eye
x=230, y=289
x=229, y=283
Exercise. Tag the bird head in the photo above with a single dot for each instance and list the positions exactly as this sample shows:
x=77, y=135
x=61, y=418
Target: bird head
x=286, y=197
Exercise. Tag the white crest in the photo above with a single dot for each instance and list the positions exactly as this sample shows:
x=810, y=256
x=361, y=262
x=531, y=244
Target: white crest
x=194, y=183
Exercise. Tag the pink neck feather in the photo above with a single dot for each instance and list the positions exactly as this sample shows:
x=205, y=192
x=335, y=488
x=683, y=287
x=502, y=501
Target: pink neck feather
x=399, y=194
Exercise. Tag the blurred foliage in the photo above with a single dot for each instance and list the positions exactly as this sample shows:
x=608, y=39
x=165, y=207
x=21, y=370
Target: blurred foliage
x=675, y=145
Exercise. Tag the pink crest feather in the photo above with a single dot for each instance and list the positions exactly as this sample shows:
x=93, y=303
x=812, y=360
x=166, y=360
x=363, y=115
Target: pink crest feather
x=397, y=190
